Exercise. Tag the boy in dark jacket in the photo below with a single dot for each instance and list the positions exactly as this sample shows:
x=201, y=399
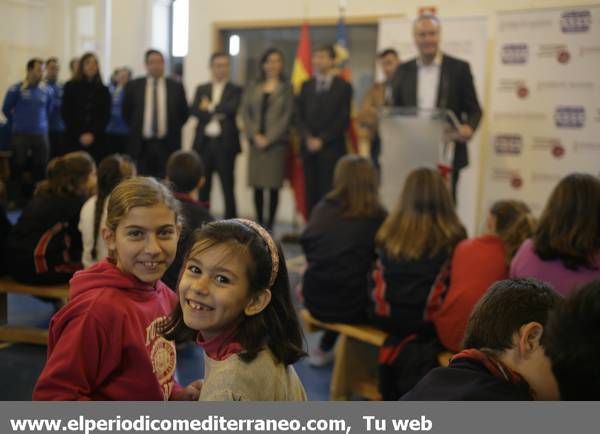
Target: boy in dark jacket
x=505, y=357
x=185, y=172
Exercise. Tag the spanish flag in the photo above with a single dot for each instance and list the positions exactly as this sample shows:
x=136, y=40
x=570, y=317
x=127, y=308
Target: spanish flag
x=302, y=71
x=302, y=64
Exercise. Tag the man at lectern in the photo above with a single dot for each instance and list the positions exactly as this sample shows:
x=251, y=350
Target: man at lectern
x=436, y=80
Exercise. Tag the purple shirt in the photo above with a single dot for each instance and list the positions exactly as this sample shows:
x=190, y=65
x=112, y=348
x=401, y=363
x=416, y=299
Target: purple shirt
x=526, y=263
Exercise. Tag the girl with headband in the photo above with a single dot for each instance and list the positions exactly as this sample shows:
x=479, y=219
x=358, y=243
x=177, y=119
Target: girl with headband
x=235, y=302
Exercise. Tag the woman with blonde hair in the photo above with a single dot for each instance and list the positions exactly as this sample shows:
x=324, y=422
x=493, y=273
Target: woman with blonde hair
x=414, y=242
x=339, y=244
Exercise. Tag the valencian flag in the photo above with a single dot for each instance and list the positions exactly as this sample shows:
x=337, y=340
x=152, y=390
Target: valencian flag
x=302, y=71
x=342, y=59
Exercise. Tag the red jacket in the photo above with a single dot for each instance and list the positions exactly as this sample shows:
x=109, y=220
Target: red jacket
x=103, y=344
x=476, y=264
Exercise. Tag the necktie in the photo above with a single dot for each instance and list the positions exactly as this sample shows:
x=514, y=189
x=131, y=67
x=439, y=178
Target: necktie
x=388, y=95
x=322, y=86
x=155, y=108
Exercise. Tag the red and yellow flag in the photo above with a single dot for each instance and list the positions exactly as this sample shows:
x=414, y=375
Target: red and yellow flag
x=302, y=63
x=302, y=71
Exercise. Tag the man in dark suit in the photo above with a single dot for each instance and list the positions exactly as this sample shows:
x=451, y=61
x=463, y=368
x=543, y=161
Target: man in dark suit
x=217, y=136
x=155, y=108
x=436, y=80
x=323, y=117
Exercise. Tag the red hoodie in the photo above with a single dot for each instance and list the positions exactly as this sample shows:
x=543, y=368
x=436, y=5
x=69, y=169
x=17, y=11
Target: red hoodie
x=103, y=344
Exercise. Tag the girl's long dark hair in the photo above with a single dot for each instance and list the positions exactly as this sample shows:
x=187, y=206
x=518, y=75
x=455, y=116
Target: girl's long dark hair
x=277, y=326
x=111, y=170
x=569, y=228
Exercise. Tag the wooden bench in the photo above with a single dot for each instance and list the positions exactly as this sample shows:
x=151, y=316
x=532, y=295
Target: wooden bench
x=5, y=165
x=29, y=335
x=355, y=364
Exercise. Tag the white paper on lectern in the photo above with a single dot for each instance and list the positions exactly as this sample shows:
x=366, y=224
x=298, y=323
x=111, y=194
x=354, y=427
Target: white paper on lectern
x=409, y=141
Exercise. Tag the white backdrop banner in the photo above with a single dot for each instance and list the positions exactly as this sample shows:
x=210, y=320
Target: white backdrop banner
x=545, y=99
x=465, y=38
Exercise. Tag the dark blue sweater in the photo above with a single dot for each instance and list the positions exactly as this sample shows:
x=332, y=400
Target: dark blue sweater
x=29, y=109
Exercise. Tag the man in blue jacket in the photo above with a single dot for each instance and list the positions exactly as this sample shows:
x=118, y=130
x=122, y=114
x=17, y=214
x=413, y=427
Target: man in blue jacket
x=28, y=105
x=56, y=126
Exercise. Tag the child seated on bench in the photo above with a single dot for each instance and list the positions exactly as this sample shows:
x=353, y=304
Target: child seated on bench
x=44, y=247
x=339, y=244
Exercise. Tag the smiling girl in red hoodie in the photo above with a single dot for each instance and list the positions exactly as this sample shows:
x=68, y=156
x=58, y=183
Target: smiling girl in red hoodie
x=103, y=345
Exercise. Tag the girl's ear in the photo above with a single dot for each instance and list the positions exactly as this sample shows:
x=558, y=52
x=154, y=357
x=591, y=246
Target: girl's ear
x=109, y=238
x=258, y=303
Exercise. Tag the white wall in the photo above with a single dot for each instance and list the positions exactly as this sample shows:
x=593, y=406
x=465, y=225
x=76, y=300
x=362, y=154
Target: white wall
x=130, y=37
x=204, y=13
x=28, y=29
x=122, y=30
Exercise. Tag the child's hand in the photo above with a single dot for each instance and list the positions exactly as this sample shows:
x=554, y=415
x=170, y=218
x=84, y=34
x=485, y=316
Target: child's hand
x=189, y=393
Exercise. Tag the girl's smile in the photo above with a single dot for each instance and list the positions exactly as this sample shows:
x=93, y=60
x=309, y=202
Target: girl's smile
x=214, y=289
x=199, y=306
x=145, y=242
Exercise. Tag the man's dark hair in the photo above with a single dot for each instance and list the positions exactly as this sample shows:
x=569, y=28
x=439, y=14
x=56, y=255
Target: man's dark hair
x=184, y=170
x=508, y=305
x=387, y=52
x=216, y=55
x=72, y=63
x=573, y=344
x=150, y=52
x=329, y=49
x=32, y=62
x=51, y=60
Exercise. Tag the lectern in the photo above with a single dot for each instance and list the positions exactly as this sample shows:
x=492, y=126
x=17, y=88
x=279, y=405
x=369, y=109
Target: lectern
x=412, y=138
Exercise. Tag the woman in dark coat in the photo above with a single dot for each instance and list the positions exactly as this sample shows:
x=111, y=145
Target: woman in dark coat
x=86, y=109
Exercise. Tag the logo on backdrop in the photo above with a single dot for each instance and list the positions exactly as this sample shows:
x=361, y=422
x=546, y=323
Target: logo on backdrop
x=563, y=56
x=508, y=144
x=516, y=86
x=515, y=54
x=522, y=91
x=513, y=177
x=558, y=51
x=549, y=144
x=516, y=181
x=569, y=116
x=576, y=21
